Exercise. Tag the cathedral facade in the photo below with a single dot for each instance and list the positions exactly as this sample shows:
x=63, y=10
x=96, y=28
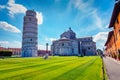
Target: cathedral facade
x=69, y=45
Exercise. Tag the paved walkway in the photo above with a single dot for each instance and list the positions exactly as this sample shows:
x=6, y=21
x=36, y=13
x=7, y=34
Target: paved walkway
x=113, y=68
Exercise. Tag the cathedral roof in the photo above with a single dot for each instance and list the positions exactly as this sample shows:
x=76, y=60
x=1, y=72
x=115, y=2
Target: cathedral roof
x=64, y=39
x=68, y=34
x=109, y=37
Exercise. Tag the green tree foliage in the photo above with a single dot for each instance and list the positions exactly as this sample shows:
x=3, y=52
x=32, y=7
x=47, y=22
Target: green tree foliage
x=5, y=53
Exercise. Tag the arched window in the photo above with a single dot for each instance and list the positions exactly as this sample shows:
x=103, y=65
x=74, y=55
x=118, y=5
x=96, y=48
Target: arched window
x=88, y=48
x=29, y=19
x=62, y=44
x=30, y=39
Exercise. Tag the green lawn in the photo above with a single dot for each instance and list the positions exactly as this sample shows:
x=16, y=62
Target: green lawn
x=54, y=68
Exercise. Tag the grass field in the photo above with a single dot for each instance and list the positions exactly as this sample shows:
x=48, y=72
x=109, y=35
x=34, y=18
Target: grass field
x=54, y=68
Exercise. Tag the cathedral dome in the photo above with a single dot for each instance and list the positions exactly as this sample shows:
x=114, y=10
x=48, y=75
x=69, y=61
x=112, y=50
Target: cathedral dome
x=68, y=34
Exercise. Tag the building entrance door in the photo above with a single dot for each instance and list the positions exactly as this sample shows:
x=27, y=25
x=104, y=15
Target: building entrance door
x=84, y=51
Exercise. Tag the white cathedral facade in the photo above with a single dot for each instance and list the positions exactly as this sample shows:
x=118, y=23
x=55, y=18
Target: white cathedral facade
x=69, y=45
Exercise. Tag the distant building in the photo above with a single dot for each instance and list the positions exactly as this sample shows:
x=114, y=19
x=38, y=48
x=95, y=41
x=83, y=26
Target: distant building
x=2, y=48
x=15, y=51
x=69, y=45
x=43, y=52
x=30, y=33
x=113, y=41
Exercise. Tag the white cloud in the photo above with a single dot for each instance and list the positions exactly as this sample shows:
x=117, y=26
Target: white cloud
x=4, y=42
x=14, y=44
x=97, y=20
x=100, y=38
x=53, y=39
x=14, y=8
x=82, y=5
x=39, y=17
x=18, y=44
x=85, y=7
x=107, y=26
x=2, y=6
x=8, y=27
x=50, y=39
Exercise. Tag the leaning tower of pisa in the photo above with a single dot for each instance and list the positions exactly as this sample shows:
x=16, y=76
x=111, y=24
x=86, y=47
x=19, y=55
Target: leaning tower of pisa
x=30, y=34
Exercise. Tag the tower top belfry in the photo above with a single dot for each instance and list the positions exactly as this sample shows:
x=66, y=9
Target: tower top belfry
x=30, y=13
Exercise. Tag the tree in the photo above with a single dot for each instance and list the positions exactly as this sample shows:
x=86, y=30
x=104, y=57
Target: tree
x=100, y=52
x=5, y=53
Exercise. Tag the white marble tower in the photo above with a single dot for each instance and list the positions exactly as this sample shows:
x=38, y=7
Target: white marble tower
x=30, y=35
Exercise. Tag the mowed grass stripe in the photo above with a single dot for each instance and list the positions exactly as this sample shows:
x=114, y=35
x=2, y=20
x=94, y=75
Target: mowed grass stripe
x=41, y=68
x=51, y=70
x=92, y=72
x=32, y=76
x=23, y=64
x=54, y=68
x=28, y=69
x=29, y=74
x=36, y=71
x=56, y=72
x=75, y=72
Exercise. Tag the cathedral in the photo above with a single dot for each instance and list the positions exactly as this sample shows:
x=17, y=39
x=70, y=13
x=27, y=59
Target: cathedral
x=69, y=45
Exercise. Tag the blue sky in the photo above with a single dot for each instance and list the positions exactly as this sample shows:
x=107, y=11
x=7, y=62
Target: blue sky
x=85, y=17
